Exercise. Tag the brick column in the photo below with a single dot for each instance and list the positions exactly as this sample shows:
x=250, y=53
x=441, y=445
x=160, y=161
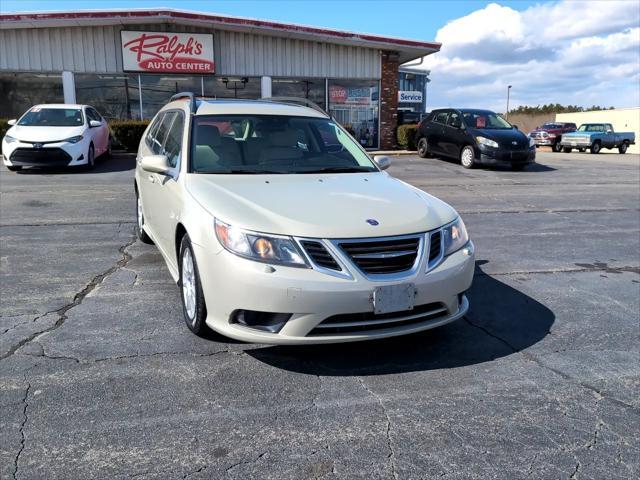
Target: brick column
x=388, y=100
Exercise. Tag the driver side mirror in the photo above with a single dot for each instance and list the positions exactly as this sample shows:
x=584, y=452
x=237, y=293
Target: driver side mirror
x=382, y=161
x=155, y=164
x=12, y=122
x=94, y=123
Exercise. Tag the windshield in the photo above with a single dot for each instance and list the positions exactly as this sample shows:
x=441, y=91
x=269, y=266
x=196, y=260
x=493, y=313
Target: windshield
x=484, y=120
x=241, y=144
x=52, y=117
x=590, y=127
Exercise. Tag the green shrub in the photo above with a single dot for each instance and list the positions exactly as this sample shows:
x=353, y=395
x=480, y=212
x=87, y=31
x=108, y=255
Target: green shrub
x=128, y=132
x=406, y=135
x=4, y=126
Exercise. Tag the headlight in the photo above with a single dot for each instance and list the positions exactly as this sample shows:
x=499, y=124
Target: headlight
x=486, y=142
x=258, y=246
x=552, y=135
x=532, y=142
x=73, y=139
x=455, y=236
x=10, y=139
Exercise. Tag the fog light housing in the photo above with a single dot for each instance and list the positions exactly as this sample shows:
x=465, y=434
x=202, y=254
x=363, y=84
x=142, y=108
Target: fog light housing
x=265, y=321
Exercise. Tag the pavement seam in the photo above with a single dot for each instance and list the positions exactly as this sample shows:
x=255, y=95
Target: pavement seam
x=391, y=456
x=22, y=425
x=78, y=298
x=606, y=269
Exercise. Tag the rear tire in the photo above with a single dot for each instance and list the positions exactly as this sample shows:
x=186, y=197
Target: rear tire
x=623, y=148
x=467, y=157
x=193, y=307
x=14, y=168
x=556, y=147
x=567, y=149
x=423, y=148
x=595, y=148
x=517, y=167
x=140, y=233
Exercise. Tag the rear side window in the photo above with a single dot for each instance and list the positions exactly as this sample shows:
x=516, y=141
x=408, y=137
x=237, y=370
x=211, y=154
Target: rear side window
x=454, y=120
x=173, y=143
x=157, y=142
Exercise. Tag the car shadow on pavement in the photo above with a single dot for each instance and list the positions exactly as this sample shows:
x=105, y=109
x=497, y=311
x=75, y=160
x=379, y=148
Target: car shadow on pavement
x=501, y=321
x=534, y=167
x=119, y=162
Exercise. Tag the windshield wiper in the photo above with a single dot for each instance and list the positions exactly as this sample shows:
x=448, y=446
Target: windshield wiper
x=339, y=170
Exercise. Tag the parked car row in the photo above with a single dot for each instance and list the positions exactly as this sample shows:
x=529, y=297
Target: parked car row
x=590, y=136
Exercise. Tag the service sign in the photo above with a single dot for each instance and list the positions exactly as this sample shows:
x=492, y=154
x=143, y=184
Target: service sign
x=408, y=96
x=166, y=52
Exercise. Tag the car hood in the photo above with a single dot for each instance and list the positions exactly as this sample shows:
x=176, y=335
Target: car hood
x=320, y=205
x=503, y=137
x=43, y=134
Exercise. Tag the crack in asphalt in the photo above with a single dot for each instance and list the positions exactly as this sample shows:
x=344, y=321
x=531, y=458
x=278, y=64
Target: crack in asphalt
x=78, y=298
x=391, y=456
x=55, y=224
x=124, y=357
x=585, y=267
x=532, y=358
x=22, y=425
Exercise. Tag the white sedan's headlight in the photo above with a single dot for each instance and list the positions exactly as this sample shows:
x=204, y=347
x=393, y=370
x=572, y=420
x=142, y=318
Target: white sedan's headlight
x=487, y=142
x=258, y=246
x=455, y=236
x=532, y=142
x=10, y=139
x=75, y=139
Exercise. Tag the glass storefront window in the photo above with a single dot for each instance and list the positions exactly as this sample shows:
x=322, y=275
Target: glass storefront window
x=311, y=88
x=158, y=89
x=354, y=103
x=232, y=87
x=20, y=91
x=114, y=96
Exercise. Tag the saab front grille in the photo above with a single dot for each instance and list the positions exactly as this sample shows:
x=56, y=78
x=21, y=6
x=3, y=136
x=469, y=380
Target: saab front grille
x=366, y=321
x=435, y=246
x=319, y=255
x=379, y=257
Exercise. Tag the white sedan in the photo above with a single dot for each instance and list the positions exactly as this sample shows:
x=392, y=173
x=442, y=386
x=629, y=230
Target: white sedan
x=56, y=135
x=279, y=228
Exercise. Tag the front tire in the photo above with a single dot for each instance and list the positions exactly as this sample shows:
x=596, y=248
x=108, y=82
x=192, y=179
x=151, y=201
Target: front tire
x=193, y=307
x=595, y=148
x=556, y=147
x=140, y=233
x=467, y=156
x=623, y=148
x=91, y=158
x=423, y=148
x=14, y=168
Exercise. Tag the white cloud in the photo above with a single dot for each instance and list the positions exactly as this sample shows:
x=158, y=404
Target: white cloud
x=566, y=52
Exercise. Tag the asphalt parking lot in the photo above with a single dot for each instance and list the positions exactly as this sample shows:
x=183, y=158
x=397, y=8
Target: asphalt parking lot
x=99, y=378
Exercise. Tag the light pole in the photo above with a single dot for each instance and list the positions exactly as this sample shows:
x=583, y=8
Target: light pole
x=508, y=91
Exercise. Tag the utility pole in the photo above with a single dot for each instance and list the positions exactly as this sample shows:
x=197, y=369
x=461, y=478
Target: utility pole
x=508, y=91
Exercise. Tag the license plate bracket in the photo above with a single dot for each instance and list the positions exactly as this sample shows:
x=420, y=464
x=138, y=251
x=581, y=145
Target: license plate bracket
x=394, y=298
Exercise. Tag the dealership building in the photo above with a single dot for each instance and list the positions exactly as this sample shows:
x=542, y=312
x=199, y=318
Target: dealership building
x=128, y=63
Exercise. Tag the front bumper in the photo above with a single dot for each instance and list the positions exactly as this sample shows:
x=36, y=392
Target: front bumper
x=61, y=154
x=499, y=156
x=231, y=283
x=544, y=142
x=575, y=143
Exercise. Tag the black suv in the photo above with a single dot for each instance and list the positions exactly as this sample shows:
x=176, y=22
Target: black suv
x=474, y=137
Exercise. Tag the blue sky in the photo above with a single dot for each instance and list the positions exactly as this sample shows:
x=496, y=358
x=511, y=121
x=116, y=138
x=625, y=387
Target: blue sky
x=548, y=52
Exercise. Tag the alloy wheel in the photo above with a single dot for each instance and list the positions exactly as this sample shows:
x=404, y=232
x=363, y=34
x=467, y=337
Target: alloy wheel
x=467, y=157
x=189, y=284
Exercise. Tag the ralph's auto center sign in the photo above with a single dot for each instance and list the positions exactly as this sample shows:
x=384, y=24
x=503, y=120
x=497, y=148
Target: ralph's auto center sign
x=166, y=52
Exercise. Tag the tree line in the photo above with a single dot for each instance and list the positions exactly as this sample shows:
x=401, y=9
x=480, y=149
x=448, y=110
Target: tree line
x=556, y=108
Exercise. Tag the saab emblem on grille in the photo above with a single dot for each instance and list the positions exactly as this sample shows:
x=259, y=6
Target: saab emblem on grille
x=37, y=145
x=373, y=221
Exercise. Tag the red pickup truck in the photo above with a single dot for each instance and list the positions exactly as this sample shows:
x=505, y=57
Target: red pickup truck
x=550, y=134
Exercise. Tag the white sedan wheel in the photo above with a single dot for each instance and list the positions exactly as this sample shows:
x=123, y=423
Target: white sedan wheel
x=189, y=284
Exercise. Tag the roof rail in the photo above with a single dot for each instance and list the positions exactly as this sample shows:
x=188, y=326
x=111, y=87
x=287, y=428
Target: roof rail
x=192, y=99
x=298, y=100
